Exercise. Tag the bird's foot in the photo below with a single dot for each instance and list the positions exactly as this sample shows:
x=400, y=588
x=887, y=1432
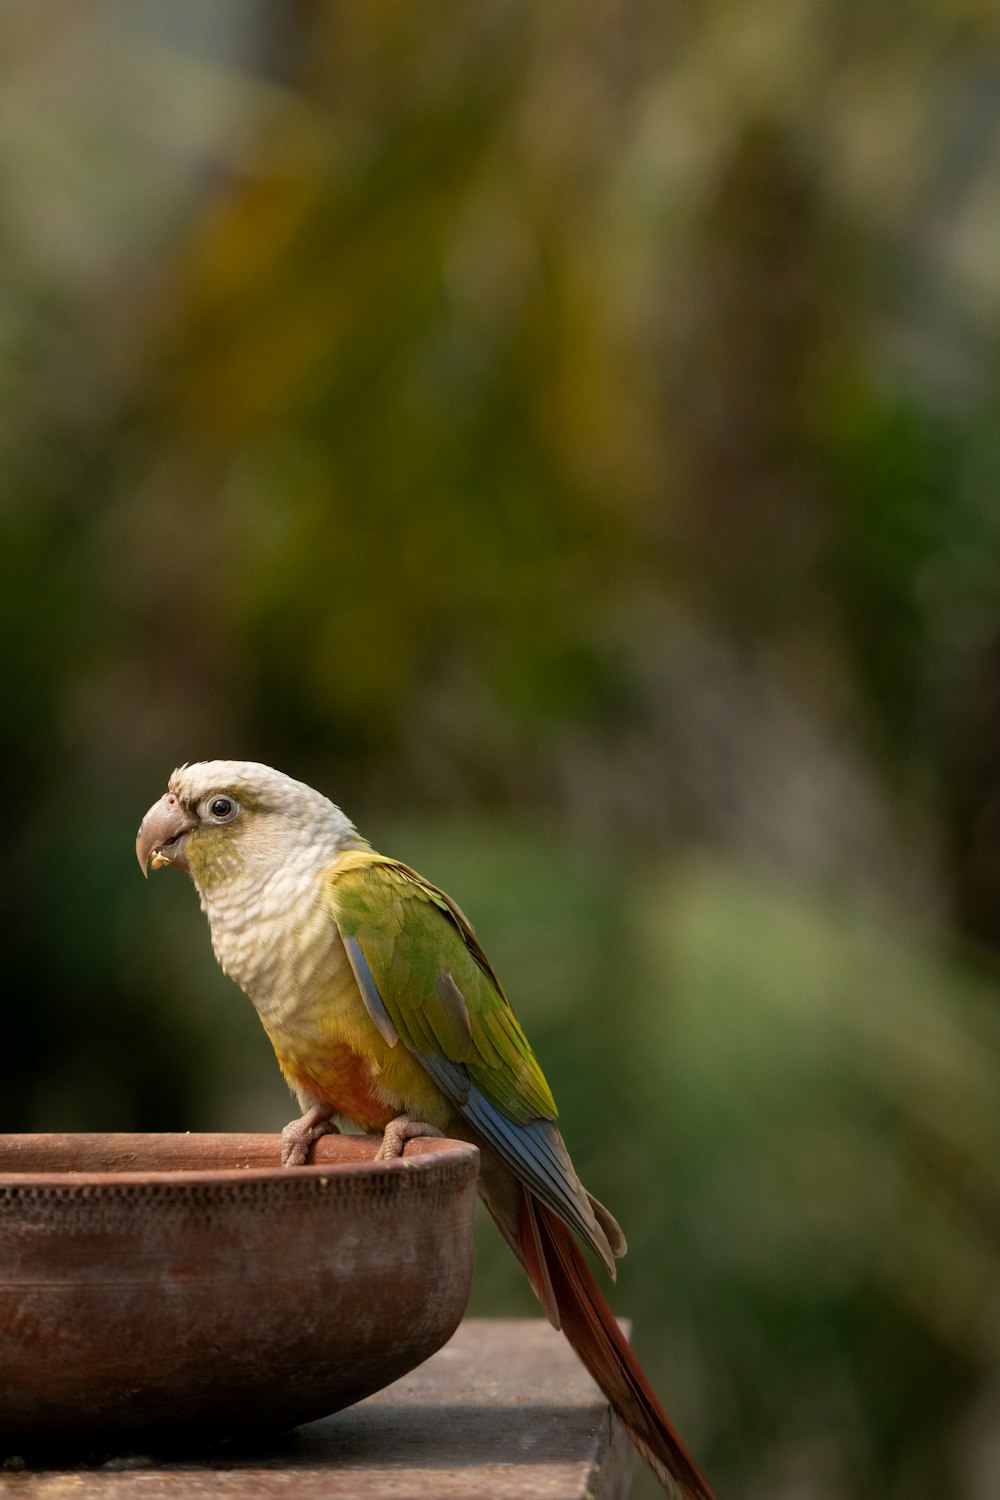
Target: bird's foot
x=398, y=1132
x=298, y=1135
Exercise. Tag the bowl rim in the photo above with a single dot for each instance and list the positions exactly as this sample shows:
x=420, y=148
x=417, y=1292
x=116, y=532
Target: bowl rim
x=424, y=1155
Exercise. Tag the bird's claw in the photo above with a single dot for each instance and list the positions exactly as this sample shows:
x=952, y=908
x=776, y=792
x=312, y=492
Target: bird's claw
x=398, y=1132
x=298, y=1136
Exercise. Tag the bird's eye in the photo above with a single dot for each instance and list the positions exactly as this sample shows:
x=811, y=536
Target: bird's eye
x=222, y=809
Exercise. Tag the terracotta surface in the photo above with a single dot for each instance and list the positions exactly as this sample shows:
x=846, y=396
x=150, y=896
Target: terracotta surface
x=186, y=1284
x=505, y=1411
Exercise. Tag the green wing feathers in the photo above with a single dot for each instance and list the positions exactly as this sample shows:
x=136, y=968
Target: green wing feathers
x=428, y=985
x=436, y=982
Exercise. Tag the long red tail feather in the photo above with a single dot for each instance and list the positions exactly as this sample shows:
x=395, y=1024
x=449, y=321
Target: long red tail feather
x=570, y=1295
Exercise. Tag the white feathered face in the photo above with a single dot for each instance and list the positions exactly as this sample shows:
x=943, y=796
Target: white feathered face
x=218, y=816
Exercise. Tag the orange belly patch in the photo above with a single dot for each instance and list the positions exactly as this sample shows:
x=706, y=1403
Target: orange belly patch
x=342, y=1078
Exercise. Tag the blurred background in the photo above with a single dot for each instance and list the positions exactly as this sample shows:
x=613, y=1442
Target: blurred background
x=568, y=436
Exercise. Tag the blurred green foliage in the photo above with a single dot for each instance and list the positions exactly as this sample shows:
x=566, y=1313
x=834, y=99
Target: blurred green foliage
x=568, y=436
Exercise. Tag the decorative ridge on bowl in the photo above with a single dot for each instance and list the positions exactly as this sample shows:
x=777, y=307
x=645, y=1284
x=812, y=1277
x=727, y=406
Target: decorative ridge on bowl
x=336, y=1160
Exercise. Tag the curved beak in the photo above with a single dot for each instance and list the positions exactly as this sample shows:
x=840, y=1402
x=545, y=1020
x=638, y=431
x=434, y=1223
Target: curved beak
x=162, y=834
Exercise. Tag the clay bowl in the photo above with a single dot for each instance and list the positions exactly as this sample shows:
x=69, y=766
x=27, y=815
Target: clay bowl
x=177, y=1286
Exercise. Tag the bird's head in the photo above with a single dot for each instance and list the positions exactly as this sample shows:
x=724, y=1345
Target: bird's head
x=219, y=819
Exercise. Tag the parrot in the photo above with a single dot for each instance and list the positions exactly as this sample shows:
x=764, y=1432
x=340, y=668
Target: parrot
x=383, y=1010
